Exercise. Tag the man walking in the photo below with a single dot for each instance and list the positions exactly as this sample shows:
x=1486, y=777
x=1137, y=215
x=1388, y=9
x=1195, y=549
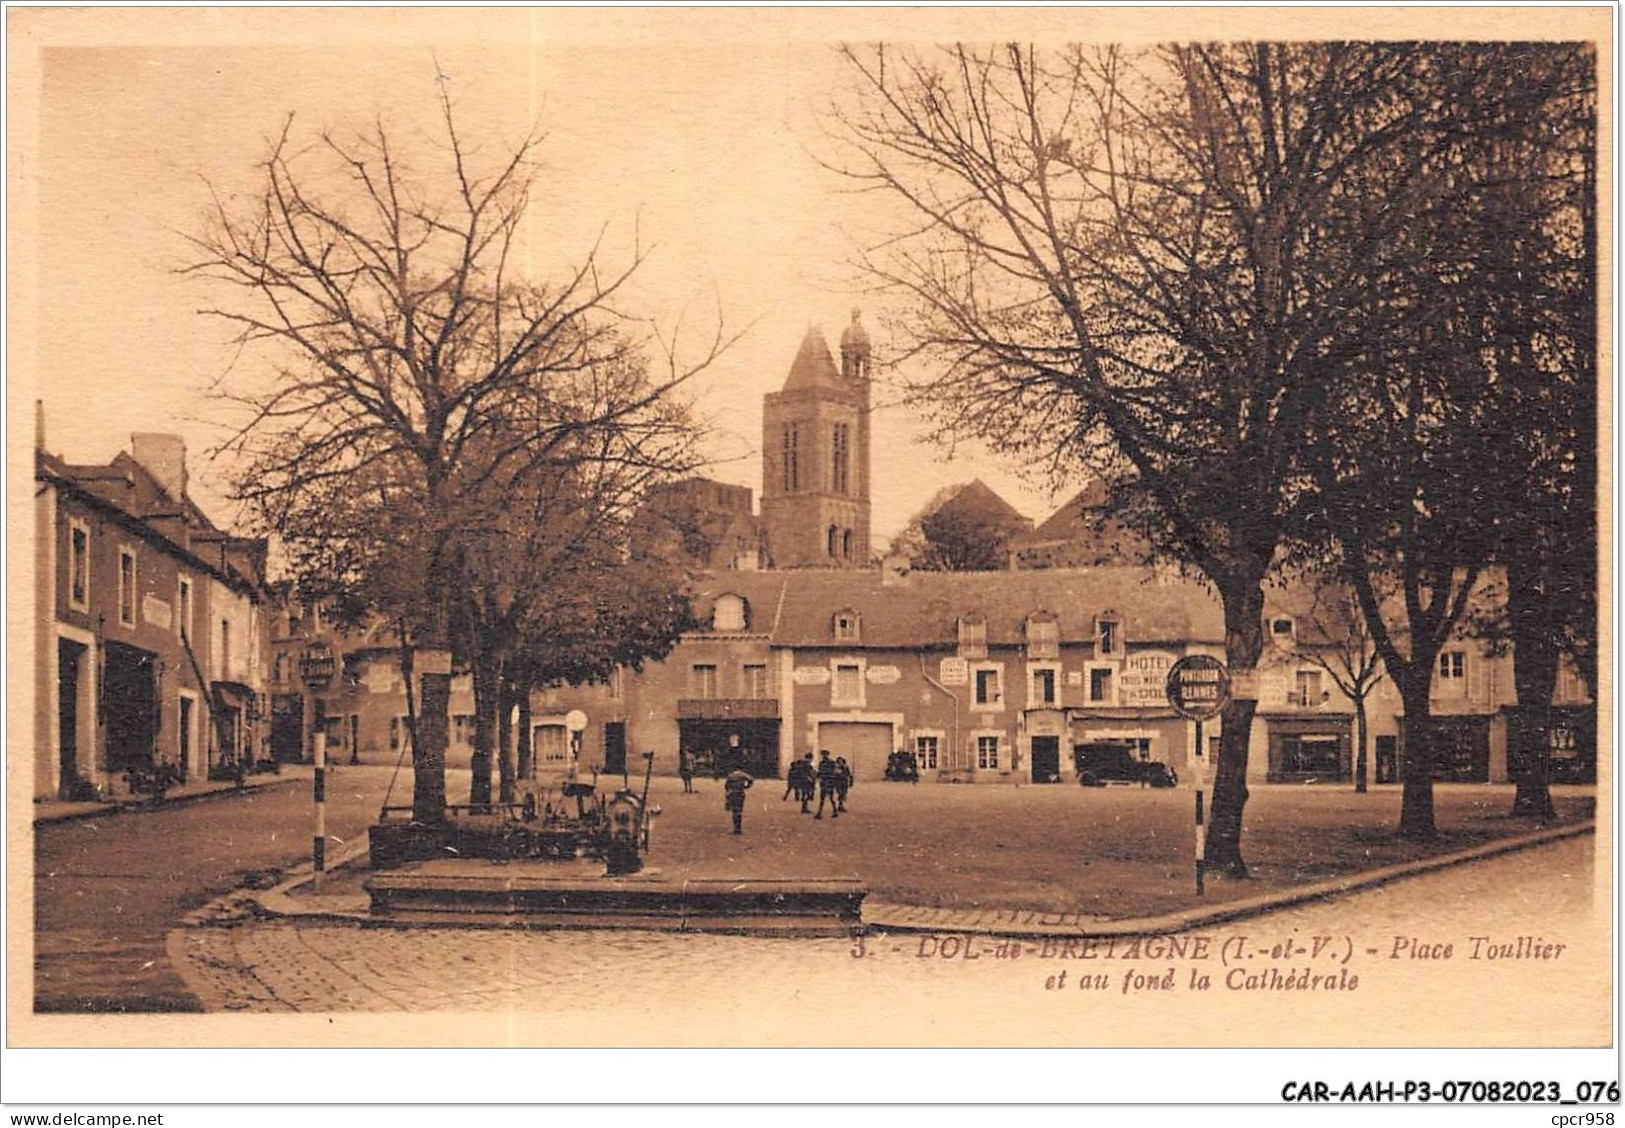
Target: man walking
x=809, y=780
x=685, y=768
x=827, y=775
x=733, y=796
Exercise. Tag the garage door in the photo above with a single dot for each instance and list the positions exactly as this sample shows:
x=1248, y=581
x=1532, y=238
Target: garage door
x=865, y=746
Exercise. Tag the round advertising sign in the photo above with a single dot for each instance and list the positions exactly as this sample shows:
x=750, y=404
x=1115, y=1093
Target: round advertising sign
x=575, y=720
x=1198, y=687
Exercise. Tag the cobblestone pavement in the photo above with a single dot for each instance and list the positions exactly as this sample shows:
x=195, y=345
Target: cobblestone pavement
x=927, y=988
x=107, y=890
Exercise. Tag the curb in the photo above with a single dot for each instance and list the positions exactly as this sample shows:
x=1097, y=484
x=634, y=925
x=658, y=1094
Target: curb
x=889, y=917
x=885, y=916
x=140, y=807
x=278, y=901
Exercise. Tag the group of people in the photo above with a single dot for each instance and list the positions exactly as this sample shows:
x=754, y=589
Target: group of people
x=903, y=766
x=831, y=777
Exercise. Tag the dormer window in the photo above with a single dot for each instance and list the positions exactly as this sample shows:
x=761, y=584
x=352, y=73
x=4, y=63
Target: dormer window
x=845, y=626
x=731, y=614
x=1282, y=632
x=972, y=636
x=1108, y=636
x=1043, y=636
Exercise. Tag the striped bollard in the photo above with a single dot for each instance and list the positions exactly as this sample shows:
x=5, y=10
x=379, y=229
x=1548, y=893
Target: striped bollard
x=1201, y=830
x=318, y=842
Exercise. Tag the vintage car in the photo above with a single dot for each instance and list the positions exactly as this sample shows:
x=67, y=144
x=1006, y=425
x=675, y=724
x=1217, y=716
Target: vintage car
x=1099, y=762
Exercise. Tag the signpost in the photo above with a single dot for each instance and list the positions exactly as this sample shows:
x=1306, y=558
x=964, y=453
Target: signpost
x=1198, y=688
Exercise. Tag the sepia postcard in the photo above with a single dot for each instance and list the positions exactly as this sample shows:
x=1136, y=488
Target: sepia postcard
x=1075, y=528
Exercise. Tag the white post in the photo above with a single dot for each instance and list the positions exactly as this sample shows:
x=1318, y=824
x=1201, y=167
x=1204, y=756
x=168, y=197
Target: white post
x=318, y=845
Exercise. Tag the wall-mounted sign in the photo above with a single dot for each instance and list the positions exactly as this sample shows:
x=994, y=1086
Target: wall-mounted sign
x=317, y=665
x=955, y=671
x=810, y=675
x=1074, y=677
x=1143, y=682
x=884, y=675
x=575, y=720
x=155, y=611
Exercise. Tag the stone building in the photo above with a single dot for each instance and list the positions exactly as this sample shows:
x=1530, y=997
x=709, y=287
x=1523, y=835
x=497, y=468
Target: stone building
x=150, y=633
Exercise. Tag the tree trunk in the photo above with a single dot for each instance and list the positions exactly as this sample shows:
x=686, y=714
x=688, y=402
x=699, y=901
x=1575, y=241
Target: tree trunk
x=487, y=671
x=1244, y=642
x=527, y=765
x=505, y=765
x=1534, y=674
x=429, y=750
x=1361, y=740
x=1416, y=759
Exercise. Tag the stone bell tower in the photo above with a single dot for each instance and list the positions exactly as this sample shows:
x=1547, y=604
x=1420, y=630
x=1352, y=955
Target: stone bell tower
x=815, y=456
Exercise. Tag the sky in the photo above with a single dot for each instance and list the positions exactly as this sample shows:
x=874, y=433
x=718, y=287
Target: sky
x=701, y=152
x=688, y=132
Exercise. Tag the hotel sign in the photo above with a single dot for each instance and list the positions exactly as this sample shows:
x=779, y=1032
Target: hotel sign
x=1143, y=683
x=1198, y=686
x=954, y=671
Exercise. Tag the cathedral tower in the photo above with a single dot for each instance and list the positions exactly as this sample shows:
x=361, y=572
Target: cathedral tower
x=815, y=456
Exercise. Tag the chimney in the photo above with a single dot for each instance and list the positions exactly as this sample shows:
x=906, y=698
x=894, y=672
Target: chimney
x=164, y=457
x=39, y=425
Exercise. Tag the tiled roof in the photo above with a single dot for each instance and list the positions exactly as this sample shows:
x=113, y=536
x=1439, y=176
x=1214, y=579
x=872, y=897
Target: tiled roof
x=977, y=502
x=923, y=609
x=128, y=488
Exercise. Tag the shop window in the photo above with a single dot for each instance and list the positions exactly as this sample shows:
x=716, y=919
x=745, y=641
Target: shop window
x=987, y=751
x=1311, y=756
x=78, y=565
x=702, y=679
x=925, y=752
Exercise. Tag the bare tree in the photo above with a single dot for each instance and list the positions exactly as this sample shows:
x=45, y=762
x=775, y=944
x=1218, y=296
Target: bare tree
x=421, y=357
